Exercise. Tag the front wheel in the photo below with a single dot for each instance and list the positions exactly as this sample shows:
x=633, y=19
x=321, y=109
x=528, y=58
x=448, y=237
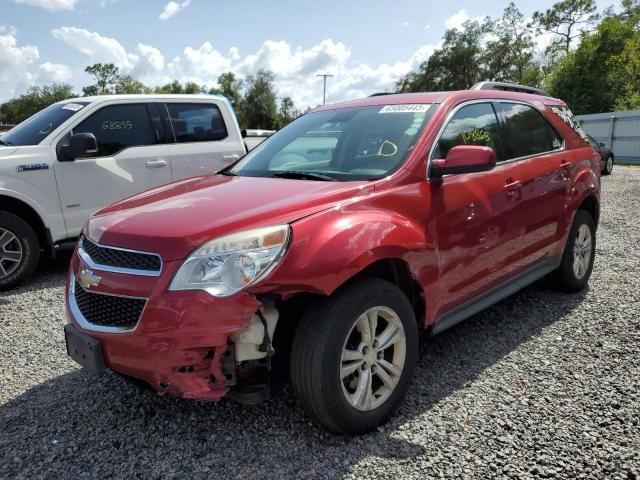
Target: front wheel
x=19, y=250
x=353, y=356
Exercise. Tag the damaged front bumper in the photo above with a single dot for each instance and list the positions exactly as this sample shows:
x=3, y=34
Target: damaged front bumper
x=185, y=344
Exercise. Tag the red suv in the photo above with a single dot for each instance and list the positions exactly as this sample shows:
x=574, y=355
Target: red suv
x=331, y=244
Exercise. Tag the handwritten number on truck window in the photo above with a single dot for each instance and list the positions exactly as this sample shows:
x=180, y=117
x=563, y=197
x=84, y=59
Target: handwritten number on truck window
x=117, y=125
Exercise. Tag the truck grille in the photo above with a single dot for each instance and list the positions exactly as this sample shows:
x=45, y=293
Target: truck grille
x=119, y=260
x=102, y=310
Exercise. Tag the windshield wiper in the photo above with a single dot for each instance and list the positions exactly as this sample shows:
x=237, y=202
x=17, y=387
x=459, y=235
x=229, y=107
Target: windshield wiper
x=304, y=175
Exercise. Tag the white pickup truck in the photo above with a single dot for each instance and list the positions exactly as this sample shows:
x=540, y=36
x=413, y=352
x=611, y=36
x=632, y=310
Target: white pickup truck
x=79, y=155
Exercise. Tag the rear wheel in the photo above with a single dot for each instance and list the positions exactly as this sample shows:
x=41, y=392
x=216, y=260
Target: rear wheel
x=19, y=250
x=608, y=166
x=577, y=260
x=353, y=356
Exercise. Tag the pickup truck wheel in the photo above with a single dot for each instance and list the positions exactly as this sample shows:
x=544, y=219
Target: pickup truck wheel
x=608, y=166
x=577, y=260
x=19, y=250
x=353, y=356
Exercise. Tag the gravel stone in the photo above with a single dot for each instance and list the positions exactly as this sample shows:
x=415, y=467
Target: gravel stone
x=542, y=385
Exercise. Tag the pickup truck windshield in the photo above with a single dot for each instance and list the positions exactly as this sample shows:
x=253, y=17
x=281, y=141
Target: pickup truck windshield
x=358, y=143
x=37, y=127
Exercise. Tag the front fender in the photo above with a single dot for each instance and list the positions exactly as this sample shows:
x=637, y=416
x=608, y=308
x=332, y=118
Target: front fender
x=330, y=248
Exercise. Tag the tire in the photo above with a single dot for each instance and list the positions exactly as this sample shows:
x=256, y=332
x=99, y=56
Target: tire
x=567, y=277
x=19, y=250
x=334, y=324
x=608, y=166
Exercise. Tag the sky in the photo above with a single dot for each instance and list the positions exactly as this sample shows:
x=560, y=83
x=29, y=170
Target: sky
x=367, y=46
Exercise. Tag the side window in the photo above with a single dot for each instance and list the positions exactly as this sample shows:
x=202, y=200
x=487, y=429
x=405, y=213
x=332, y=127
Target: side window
x=117, y=127
x=527, y=132
x=474, y=124
x=196, y=122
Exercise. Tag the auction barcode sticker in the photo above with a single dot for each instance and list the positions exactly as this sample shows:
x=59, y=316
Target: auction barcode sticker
x=414, y=108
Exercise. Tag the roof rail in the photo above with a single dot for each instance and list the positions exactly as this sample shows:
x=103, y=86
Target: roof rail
x=509, y=87
x=379, y=94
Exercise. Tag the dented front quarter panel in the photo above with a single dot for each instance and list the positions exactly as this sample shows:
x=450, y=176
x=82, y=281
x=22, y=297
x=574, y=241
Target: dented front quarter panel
x=180, y=339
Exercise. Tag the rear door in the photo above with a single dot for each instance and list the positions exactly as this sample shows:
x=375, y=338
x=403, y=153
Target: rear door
x=477, y=221
x=131, y=158
x=544, y=170
x=205, y=137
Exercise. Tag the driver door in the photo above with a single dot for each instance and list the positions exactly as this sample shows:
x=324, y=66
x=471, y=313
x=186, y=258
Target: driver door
x=130, y=159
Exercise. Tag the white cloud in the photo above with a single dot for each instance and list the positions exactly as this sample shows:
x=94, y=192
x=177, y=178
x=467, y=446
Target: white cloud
x=171, y=8
x=13, y=58
x=53, y=73
x=296, y=68
x=456, y=20
x=99, y=48
x=52, y=5
x=406, y=24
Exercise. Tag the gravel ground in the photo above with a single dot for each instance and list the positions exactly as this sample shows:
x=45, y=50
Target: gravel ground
x=543, y=385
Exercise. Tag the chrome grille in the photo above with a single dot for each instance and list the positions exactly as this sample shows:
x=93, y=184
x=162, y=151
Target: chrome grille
x=119, y=260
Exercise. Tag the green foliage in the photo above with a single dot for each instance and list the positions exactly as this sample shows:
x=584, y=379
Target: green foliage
x=602, y=73
x=32, y=101
x=566, y=19
x=130, y=85
x=287, y=112
x=106, y=78
x=260, y=100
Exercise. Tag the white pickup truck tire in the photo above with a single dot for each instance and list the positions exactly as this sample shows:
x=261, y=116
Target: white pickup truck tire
x=19, y=250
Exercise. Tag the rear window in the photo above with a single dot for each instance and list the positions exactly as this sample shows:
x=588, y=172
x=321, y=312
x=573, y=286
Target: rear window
x=196, y=122
x=527, y=132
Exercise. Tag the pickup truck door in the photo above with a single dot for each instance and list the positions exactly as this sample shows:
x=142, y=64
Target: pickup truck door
x=205, y=136
x=131, y=158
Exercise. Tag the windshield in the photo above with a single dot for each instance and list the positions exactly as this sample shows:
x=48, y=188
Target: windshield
x=359, y=143
x=36, y=128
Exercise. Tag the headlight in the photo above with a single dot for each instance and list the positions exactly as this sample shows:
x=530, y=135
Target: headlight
x=229, y=264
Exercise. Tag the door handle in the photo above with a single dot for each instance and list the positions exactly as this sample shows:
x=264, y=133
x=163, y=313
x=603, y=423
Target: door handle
x=512, y=189
x=156, y=163
x=235, y=156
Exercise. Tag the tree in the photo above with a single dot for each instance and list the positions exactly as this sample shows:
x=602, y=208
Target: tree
x=106, y=78
x=288, y=112
x=128, y=84
x=231, y=88
x=508, y=54
x=566, y=20
x=457, y=65
x=193, y=87
x=33, y=100
x=602, y=73
x=260, y=99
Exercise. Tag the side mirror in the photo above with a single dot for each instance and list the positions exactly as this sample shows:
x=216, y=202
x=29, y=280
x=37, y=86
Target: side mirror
x=243, y=132
x=464, y=159
x=80, y=145
x=602, y=144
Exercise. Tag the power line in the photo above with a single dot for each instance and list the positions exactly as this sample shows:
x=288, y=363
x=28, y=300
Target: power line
x=324, y=88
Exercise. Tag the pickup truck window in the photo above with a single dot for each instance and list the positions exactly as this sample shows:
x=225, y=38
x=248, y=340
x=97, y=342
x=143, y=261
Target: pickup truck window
x=527, y=132
x=37, y=127
x=357, y=143
x=474, y=124
x=117, y=127
x=196, y=122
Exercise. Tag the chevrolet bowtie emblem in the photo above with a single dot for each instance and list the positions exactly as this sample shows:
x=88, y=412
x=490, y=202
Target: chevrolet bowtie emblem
x=87, y=279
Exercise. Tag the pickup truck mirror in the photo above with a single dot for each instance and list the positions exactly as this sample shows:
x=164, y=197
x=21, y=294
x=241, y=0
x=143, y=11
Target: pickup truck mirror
x=80, y=145
x=243, y=132
x=602, y=144
x=464, y=159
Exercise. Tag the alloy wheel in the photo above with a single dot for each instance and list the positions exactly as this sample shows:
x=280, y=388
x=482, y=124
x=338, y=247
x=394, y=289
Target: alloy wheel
x=373, y=357
x=582, y=250
x=10, y=252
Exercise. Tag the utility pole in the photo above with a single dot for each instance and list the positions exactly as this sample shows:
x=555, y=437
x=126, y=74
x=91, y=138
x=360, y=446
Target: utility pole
x=324, y=88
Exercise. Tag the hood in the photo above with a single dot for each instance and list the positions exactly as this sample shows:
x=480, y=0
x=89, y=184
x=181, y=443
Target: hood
x=175, y=219
x=5, y=151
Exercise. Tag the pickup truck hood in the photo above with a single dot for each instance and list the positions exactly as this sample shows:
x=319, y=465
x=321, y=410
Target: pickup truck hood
x=175, y=219
x=5, y=151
